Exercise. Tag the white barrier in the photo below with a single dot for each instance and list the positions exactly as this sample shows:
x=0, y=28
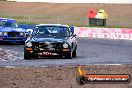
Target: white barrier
x=108, y=33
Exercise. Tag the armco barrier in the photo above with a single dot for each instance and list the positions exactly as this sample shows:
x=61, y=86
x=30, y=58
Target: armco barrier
x=108, y=33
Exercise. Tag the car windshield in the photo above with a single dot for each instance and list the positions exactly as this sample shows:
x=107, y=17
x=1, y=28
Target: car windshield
x=51, y=31
x=6, y=24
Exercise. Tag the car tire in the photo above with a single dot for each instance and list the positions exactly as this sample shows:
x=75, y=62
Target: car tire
x=74, y=54
x=69, y=55
x=27, y=56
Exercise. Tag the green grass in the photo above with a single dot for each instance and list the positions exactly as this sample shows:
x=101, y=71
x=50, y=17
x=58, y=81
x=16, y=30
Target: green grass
x=28, y=23
x=46, y=19
x=3, y=0
x=6, y=1
x=14, y=17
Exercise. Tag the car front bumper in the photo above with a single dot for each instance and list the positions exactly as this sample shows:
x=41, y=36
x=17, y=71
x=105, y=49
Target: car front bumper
x=47, y=53
x=18, y=39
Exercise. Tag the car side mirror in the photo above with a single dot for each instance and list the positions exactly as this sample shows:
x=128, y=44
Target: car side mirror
x=29, y=31
x=74, y=35
x=16, y=26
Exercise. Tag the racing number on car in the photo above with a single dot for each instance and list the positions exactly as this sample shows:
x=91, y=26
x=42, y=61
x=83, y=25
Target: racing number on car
x=47, y=53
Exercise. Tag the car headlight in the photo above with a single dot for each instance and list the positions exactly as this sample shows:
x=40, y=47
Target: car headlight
x=0, y=33
x=5, y=33
x=21, y=33
x=28, y=44
x=65, y=45
x=26, y=34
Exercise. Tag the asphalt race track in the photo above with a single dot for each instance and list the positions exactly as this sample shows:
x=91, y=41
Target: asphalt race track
x=90, y=51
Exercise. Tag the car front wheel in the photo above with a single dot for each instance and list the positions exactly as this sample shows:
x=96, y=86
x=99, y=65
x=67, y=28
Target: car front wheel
x=74, y=54
x=27, y=55
x=69, y=55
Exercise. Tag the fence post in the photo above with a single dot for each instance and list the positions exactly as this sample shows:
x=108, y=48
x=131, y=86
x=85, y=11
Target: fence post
x=87, y=21
x=29, y=17
x=58, y=19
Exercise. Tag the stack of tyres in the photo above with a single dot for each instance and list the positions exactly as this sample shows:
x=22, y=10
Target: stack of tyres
x=97, y=19
x=92, y=20
x=101, y=22
x=101, y=16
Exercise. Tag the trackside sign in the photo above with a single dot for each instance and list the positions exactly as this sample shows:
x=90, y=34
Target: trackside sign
x=109, y=33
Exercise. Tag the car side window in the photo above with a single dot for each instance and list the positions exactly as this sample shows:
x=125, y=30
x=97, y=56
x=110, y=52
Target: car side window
x=8, y=24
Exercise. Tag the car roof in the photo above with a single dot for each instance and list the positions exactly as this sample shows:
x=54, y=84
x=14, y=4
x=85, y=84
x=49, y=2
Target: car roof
x=52, y=25
x=7, y=19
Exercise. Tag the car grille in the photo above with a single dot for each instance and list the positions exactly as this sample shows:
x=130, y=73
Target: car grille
x=47, y=46
x=13, y=34
x=20, y=39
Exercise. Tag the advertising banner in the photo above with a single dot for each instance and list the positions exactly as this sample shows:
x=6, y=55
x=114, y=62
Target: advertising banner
x=108, y=33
